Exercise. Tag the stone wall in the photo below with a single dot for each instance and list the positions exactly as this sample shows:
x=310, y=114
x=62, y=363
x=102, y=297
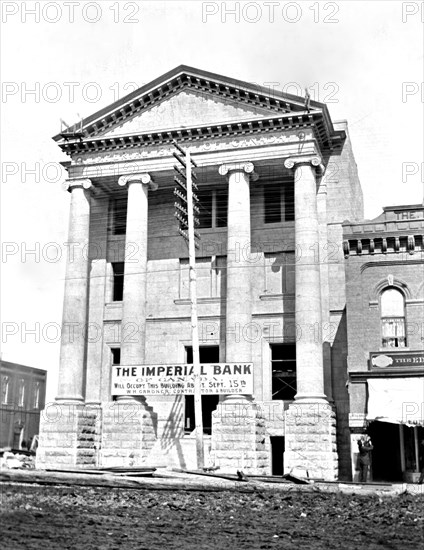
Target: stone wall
x=239, y=439
x=128, y=434
x=345, y=198
x=69, y=436
x=311, y=447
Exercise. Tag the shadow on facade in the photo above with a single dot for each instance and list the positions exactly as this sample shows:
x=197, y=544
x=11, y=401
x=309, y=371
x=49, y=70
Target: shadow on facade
x=172, y=430
x=341, y=398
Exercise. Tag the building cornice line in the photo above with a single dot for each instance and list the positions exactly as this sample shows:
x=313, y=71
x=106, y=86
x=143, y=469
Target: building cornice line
x=282, y=122
x=408, y=244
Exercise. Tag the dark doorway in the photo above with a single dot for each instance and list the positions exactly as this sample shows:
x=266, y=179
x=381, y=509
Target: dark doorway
x=208, y=354
x=118, y=281
x=283, y=366
x=116, y=356
x=277, y=455
x=385, y=457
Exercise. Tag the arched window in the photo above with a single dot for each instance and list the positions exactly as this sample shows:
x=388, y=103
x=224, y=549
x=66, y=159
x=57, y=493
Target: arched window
x=393, y=319
x=21, y=392
x=5, y=390
x=36, y=396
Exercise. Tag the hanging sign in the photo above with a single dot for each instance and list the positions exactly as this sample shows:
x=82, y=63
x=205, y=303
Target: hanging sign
x=215, y=378
x=397, y=359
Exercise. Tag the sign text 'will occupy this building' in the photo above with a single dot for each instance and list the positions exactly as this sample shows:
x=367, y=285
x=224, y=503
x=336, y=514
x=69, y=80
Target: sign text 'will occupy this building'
x=276, y=179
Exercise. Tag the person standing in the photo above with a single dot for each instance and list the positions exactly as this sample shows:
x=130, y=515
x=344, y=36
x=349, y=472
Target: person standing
x=365, y=447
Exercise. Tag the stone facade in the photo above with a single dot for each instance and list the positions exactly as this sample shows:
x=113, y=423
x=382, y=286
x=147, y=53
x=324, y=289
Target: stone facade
x=279, y=179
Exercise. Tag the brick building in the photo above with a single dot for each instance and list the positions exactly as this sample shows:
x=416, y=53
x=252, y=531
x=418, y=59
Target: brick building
x=23, y=392
x=276, y=178
x=385, y=334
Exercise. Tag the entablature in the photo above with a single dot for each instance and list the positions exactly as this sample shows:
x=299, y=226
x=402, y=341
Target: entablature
x=269, y=149
x=191, y=136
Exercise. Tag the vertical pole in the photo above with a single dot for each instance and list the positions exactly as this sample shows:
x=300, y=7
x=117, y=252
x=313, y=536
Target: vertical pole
x=194, y=328
x=417, y=450
x=402, y=449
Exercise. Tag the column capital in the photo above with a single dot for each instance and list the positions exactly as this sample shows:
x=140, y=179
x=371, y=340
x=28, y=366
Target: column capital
x=315, y=161
x=246, y=167
x=144, y=178
x=70, y=185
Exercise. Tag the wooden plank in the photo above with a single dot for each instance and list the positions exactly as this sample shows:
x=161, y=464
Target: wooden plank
x=162, y=483
x=39, y=477
x=230, y=477
x=129, y=469
x=105, y=471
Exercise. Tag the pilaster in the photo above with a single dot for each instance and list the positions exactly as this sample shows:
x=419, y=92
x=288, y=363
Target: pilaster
x=325, y=249
x=98, y=273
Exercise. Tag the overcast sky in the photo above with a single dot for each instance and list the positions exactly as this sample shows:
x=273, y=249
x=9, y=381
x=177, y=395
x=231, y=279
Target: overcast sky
x=365, y=59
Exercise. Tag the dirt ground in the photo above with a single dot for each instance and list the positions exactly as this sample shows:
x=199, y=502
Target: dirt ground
x=54, y=517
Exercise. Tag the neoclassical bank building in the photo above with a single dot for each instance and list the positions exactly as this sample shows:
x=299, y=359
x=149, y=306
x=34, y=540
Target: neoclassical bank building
x=276, y=179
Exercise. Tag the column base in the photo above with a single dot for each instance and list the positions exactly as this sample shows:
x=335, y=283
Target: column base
x=311, y=398
x=310, y=440
x=239, y=439
x=69, y=437
x=64, y=400
x=128, y=433
x=87, y=436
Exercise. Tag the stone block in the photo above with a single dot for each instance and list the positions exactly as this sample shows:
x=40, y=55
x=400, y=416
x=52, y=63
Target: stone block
x=238, y=437
x=309, y=441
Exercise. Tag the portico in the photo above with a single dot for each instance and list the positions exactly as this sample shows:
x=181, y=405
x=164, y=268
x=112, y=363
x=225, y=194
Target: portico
x=242, y=142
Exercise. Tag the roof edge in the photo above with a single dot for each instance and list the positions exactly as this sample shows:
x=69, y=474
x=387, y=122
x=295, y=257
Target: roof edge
x=192, y=71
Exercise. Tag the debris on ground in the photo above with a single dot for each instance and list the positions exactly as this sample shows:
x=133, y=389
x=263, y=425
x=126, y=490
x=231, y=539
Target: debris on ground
x=91, y=518
x=17, y=460
x=241, y=476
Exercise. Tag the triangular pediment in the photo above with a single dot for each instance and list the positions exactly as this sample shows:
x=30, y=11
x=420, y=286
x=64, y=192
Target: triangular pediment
x=186, y=109
x=186, y=97
x=191, y=102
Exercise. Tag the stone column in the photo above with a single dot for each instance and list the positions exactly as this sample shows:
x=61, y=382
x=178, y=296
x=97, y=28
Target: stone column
x=238, y=431
x=238, y=297
x=66, y=429
x=129, y=424
x=310, y=422
x=74, y=319
x=134, y=299
x=309, y=365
